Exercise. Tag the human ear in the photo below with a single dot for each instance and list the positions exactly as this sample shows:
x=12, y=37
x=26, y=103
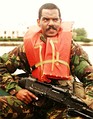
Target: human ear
x=38, y=22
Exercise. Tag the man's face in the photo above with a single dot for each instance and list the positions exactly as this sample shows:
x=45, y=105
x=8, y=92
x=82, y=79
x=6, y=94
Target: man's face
x=49, y=22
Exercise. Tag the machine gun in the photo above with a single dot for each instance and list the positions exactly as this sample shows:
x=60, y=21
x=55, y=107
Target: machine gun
x=74, y=105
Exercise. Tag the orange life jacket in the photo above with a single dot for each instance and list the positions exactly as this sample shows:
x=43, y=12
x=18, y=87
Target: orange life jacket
x=51, y=59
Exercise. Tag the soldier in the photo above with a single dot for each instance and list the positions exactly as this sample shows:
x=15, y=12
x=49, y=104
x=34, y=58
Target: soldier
x=50, y=55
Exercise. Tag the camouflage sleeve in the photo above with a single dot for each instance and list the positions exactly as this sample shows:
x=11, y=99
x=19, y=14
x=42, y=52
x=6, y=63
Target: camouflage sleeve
x=80, y=64
x=9, y=63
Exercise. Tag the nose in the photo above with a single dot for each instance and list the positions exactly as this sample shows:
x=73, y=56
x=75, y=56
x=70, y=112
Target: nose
x=51, y=22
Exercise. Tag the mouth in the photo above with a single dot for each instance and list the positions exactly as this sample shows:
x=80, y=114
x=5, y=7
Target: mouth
x=51, y=32
x=51, y=28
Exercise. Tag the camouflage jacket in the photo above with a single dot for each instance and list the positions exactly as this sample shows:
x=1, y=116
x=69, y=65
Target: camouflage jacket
x=16, y=59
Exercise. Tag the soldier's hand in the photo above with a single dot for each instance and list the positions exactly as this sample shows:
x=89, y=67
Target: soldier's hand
x=26, y=96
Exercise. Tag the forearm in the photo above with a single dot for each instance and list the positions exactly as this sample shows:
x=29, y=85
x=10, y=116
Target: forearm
x=9, y=62
x=8, y=83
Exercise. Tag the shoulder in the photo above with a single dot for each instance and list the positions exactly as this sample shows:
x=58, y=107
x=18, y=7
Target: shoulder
x=77, y=49
x=17, y=50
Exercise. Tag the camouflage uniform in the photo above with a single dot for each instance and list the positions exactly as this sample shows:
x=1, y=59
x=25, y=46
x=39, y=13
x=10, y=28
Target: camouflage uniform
x=11, y=107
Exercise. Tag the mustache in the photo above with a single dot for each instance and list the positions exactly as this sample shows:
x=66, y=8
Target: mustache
x=51, y=27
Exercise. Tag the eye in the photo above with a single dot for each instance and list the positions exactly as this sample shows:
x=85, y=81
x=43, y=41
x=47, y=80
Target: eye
x=45, y=19
x=55, y=19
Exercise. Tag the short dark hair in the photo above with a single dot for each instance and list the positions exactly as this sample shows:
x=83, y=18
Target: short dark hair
x=48, y=6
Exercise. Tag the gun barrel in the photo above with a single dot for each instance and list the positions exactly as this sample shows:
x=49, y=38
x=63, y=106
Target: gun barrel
x=73, y=112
